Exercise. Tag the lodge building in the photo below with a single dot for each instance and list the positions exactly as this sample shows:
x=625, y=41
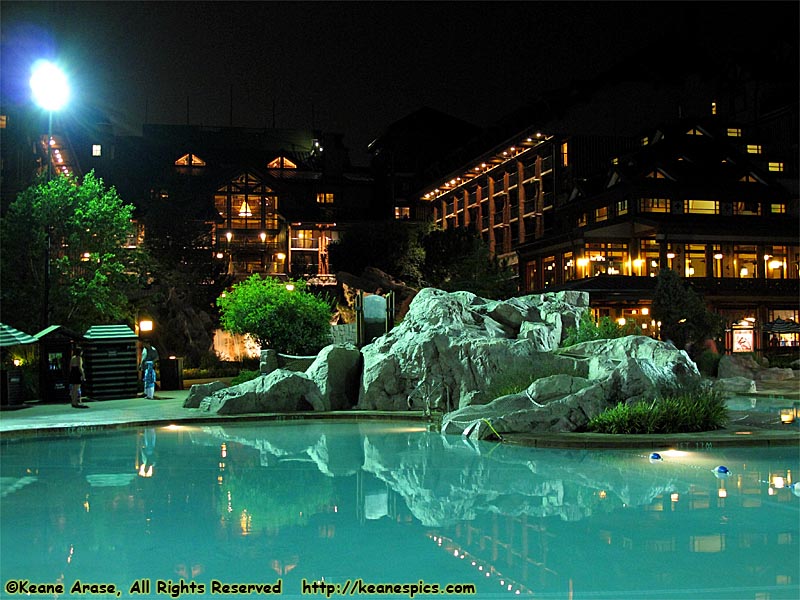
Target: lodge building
x=605, y=214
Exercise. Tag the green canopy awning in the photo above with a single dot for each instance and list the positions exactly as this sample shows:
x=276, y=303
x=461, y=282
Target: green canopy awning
x=14, y=337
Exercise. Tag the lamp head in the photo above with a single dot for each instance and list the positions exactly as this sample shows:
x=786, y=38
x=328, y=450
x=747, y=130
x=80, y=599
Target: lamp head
x=49, y=86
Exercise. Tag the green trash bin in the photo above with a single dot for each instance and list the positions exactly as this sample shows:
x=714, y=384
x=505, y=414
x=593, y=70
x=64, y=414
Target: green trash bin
x=171, y=373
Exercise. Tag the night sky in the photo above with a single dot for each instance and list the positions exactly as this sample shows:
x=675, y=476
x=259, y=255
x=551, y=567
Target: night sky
x=346, y=67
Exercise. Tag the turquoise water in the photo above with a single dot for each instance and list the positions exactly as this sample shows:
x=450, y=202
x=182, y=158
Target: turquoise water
x=183, y=511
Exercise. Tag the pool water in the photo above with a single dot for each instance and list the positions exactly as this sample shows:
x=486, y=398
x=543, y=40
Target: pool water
x=182, y=511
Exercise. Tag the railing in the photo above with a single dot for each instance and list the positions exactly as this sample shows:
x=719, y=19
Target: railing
x=304, y=243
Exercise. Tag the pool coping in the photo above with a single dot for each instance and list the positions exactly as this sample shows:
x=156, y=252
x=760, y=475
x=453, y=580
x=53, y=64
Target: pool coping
x=61, y=419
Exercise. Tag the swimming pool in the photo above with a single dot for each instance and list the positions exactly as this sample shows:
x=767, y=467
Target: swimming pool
x=183, y=511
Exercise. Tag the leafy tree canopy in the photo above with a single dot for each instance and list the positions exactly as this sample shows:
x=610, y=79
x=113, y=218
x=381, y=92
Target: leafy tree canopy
x=452, y=259
x=683, y=314
x=394, y=247
x=292, y=321
x=85, y=229
x=457, y=259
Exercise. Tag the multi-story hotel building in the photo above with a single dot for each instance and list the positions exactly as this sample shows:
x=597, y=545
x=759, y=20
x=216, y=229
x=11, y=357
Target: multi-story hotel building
x=603, y=214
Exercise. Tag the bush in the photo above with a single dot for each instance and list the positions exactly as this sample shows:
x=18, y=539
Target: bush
x=606, y=329
x=708, y=363
x=703, y=410
x=287, y=319
x=244, y=376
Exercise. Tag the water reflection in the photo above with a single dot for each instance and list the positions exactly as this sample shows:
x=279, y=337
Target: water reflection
x=391, y=503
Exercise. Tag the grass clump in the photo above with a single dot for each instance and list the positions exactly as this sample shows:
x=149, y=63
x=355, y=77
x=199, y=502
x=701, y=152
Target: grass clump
x=688, y=412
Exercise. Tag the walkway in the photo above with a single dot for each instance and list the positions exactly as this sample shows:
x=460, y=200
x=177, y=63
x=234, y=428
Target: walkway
x=755, y=420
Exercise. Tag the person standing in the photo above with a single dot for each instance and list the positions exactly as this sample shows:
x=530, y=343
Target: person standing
x=148, y=368
x=76, y=378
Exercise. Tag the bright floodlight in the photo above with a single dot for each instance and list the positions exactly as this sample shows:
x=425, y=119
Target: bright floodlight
x=49, y=85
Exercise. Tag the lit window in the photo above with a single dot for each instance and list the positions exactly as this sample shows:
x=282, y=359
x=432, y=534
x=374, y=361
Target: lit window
x=776, y=167
x=622, y=207
x=601, y=214
x=3, y=121
x=565, y=154
x=281, y=162
x=750, y=178
x=402, y=212
x=582, y=220
x=747, y=208
x=659, y=205
x=324, y=198
x=713, y=108
x=615, y=161
x=777, y=209
x=657, y=174
x=694, y=131
x=734, y=132
x=645, y=141
x=701, y=207
x=190, y=160
x=97, y=150
x=754, y=148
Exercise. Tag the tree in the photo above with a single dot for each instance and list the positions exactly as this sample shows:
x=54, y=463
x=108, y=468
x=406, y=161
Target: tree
x=292, y=321
x=684, y=317
x=457, y=259
x=81, y=232
x=394, y=247
x=185, y=276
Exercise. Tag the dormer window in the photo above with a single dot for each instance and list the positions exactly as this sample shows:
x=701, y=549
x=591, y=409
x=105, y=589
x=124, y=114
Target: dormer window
x=97, y=150
x=751, y=178
x=281, y=162
x=190, y=160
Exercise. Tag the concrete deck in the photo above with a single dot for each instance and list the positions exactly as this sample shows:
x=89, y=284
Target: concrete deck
x=755, y=420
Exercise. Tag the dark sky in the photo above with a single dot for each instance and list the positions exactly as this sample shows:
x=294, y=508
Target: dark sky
x=347, y=67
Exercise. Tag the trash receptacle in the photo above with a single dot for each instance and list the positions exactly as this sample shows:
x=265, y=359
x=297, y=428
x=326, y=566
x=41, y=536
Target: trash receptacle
x=13, y=387
x=171, y=373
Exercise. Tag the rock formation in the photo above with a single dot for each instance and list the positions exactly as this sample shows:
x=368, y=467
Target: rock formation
x=491, y=366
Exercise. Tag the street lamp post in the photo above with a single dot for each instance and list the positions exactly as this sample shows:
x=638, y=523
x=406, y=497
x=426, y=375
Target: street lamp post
x=50, y=92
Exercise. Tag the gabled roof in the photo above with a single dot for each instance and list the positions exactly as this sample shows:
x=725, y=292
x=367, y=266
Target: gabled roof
x=696, y=155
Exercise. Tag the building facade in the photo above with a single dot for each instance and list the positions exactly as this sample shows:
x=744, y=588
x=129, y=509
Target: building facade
x=605, y=214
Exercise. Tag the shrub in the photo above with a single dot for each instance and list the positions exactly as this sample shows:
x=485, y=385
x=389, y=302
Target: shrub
x=244, y=376
x=708, y=363
x=288, y=319
x=689, y=412
x=605, y=329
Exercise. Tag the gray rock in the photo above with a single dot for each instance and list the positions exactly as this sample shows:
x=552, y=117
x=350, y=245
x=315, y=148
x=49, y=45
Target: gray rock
x=452, y=349
x=280, y=391
x=737, y=365
x=605, y=372
x=776, y=374
x=741, y=385
x=336, y=371
x=268, y=361
x=199, y=391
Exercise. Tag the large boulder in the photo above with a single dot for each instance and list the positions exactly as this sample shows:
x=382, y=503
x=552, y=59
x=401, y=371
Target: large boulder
x=335, y=371
x=607, y=372
x=199, y=391
x=280, y=391
x=452, y=349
